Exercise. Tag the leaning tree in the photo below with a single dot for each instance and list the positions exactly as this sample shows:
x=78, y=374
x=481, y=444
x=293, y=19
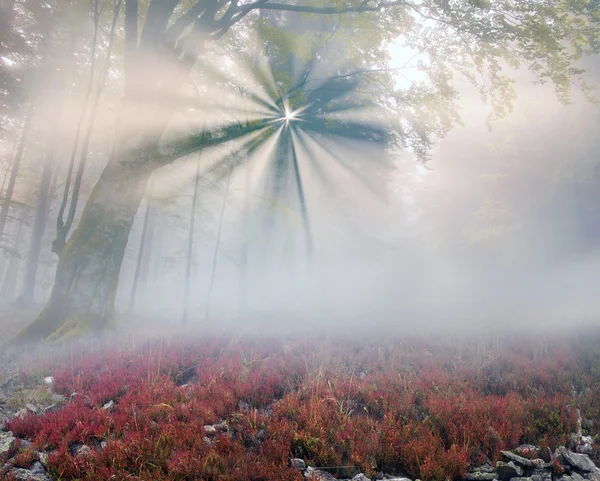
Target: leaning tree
x=168, y=39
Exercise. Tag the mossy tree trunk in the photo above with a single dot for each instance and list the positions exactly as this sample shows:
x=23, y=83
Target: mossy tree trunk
x=82, y=299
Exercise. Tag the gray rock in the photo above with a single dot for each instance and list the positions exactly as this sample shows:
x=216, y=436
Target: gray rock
x=21, y=474
x=581, y=462
x=43, y=457
x=209, y=429
x=25, y=444
x=49, y=409
x=585, y=448
x=594, y=475
x=37, y=467
x=481, y=476
x=57, y=399
x=587, y=440
x=298, y=463
x=80, y=450
x=541, y=474
x=508, y=470
x=109, y=405
x=572, y=477
x=360, y=477
x=528, y=463
x=317, y=475
x=7, y=441
x=485, y=468
x=32, y=408
x=222, y=426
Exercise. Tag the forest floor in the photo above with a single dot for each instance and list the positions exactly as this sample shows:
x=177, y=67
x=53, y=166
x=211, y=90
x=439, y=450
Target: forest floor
x=239, y=405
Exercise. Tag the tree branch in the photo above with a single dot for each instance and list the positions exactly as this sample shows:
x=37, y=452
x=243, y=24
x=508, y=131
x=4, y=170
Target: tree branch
x=363, y=7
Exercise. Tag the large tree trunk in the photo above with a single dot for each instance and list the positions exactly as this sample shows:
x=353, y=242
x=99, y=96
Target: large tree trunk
x=87, y=275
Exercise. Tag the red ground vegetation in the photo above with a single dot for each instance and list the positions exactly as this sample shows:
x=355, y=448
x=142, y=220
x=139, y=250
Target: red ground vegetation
x=425, y=408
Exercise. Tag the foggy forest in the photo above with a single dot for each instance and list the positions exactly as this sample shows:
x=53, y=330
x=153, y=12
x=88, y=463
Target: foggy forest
x=251, y=240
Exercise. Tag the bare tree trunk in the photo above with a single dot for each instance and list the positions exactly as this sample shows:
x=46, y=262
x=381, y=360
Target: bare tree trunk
x=145, y=270
x=217, y=247
x=15, y=171
x=140, y=256
x=190, y=259
x=87, y=275
x=243, y=279
x=37, y=235
x=9, y=284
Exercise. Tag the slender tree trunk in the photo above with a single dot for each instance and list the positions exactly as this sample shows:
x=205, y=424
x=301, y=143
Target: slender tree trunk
x=87, y=274
x=15, y=172
x=9, y=284
x=37, y=235
x=217, y=247
x=243, y=279
x=145, y=270
x=190, y=249
x=140, y=256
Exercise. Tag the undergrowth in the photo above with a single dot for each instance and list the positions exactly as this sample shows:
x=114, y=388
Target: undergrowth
x=425, y=408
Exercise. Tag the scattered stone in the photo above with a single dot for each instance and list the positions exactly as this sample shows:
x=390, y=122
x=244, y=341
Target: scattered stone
x=508, y=470
x=49, y=409
x=485, y=468
x=208, y=441
x=317, y=475
x=581, y=462
x=360, y=477
x=49, y=381
x=25, y=444
x=21, y=413
x=57, y=399
x=7, y=441
x=39, y=474
x=43, y=457
x=222, y=426
x=594, y=475
x=80, y=450
x=298, y=463
x=585, y=448
x=37, y=467
x=109, y=406
x=209, y=429
x=481, y=476
x=528, y=463
x=572, y=477
x=541, y=474
x=32, y=408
